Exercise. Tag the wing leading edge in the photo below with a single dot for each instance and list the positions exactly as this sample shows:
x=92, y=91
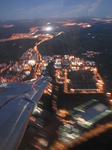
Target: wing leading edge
x=17, y=101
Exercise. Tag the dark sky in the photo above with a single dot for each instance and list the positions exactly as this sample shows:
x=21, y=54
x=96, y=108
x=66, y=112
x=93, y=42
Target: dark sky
x=31, y=9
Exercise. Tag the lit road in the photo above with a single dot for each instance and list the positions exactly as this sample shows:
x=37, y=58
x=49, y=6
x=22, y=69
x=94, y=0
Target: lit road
x=28, y=55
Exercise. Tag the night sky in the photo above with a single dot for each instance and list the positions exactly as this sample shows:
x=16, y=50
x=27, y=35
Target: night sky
x=32, y=9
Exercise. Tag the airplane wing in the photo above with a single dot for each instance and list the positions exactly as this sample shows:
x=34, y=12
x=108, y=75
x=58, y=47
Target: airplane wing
x=17, y=101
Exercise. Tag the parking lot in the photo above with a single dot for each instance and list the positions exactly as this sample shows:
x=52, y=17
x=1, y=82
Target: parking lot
x=82, y=79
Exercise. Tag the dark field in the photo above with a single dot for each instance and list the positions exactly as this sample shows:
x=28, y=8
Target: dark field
x=13, y=50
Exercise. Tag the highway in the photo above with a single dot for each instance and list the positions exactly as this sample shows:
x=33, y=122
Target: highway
x=22, y=67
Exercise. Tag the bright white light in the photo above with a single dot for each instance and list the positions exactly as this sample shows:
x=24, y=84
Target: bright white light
x=88, y=25
x=48, y=23
x=48, y=28
x=31, y=62
x=27, y=72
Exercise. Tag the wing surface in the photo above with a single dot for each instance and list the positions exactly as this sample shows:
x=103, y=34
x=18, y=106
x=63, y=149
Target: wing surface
x=17, y=101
